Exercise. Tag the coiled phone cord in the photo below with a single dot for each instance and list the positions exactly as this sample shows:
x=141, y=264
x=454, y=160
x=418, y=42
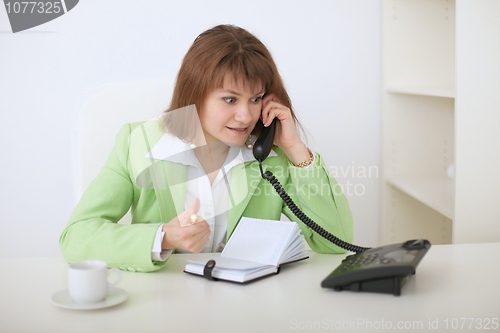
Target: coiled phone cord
x=303, y=217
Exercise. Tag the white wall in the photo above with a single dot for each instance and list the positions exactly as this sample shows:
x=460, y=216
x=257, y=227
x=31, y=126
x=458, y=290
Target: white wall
x=328, y=52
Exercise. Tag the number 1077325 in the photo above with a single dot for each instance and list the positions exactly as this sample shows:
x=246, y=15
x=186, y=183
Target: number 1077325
x=45, y=7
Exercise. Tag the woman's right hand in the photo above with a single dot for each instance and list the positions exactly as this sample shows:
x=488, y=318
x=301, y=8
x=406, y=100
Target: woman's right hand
x=181, y=233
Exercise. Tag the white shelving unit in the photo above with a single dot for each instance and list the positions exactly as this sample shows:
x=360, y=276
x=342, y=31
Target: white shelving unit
x=441, y=100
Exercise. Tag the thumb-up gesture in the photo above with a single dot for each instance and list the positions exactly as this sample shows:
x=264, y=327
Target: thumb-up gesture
x=187, y=231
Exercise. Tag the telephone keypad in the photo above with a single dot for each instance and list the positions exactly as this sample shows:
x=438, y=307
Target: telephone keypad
x=360, y=261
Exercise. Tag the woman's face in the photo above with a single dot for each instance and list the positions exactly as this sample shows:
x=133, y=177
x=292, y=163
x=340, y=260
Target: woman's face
x=230, y=113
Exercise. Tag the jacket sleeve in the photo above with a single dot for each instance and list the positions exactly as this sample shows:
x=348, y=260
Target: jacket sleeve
x=93, y=233
x=318, y=195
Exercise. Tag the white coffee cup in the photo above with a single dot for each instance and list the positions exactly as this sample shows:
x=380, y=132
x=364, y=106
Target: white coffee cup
x=88, y=281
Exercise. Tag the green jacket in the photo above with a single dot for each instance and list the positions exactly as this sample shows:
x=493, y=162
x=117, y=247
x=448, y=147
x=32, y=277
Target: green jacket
x=155, y=192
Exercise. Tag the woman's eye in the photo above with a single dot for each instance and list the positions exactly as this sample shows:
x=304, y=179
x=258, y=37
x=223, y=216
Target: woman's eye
x=229, y=100
x=256, y=99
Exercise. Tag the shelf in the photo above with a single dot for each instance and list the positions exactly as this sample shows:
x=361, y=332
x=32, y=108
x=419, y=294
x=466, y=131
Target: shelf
x=437, y=192
x=447, y=93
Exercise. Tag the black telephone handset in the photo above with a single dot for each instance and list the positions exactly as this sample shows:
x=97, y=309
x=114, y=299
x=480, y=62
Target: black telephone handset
x=264, y=143
x=383, y=269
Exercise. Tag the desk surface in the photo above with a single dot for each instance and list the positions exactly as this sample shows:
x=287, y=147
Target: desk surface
x=452, y=282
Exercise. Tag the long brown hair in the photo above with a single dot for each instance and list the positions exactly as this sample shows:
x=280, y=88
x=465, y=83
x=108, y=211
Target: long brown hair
x=215, y=53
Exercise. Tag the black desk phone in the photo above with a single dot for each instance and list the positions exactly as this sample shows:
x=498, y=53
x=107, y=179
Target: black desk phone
x=383, y=269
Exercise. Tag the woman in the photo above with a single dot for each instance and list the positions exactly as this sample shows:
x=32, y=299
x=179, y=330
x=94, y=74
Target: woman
x=189, y=175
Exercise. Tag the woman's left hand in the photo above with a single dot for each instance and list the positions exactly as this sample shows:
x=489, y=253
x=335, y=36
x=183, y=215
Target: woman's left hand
x=286, y=136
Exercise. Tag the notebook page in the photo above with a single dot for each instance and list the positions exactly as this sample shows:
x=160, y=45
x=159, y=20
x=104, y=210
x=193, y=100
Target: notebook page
x=261, y=241
x=296, y=248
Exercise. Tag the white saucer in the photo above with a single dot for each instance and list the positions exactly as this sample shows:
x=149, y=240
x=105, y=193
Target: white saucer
x=115, y=296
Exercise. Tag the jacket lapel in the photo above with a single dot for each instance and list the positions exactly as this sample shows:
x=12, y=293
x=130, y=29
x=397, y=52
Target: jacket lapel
x=168, y=179
x=245, y=178
x=176, y=182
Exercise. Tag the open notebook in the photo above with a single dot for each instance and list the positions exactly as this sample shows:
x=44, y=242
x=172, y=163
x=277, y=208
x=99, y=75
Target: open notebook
x=256, y=248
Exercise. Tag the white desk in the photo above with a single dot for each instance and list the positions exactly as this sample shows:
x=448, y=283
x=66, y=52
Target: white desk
x=452, y=282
